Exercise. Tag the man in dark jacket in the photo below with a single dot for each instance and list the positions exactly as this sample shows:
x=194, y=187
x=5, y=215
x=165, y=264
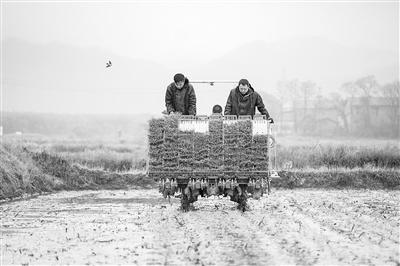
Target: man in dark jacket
x=243, y=100
x=180, y=96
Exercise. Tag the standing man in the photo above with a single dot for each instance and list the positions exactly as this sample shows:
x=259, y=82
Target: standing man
x=243, y=100
x=180, y=97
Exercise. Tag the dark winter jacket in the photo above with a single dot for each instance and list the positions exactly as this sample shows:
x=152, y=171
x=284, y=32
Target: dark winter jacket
x=239, y=104
x=181, y=100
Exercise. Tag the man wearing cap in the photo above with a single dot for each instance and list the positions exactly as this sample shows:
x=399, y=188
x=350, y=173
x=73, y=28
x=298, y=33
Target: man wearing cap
x=180, y=97
x=243, y=100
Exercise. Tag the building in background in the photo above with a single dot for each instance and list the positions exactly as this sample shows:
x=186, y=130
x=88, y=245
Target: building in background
x=358, y=116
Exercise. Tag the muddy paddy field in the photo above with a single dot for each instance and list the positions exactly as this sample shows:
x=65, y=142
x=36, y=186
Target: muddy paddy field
x=139, y=227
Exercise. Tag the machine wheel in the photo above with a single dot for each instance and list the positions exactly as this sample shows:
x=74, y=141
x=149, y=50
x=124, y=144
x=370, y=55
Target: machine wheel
x=242, y=200
x=185, y=202
x=235, y=195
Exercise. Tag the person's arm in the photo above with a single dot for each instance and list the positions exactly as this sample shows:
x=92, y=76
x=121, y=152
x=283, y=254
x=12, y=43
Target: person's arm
x=228, y=106
x=192, y=101
x=261, y=107
x=168, y=100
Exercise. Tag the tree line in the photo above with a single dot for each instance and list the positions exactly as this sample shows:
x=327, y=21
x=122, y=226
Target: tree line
x=363, y=107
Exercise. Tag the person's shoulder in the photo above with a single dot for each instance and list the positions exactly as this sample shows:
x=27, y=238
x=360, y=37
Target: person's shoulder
x=170, y=86
x=233, y=92
x=190, y=86
x=256, y=94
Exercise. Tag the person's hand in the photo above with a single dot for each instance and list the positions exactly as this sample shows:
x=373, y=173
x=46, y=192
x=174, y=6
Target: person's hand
x=270, y=120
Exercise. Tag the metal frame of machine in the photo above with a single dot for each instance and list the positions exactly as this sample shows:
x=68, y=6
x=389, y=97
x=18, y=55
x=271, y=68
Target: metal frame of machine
x=236, y=184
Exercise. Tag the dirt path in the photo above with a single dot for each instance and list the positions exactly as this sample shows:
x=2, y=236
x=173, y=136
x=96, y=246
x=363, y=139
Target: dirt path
x=303, y=227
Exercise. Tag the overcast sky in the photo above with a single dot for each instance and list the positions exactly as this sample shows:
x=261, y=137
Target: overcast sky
x=182, y=36
x=192, y=33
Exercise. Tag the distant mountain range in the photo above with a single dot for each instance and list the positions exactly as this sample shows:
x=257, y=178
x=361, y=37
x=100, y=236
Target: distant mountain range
x=327, y=63
x=62, y=78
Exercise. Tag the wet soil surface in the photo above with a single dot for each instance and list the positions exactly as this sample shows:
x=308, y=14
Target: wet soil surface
x=302, y=227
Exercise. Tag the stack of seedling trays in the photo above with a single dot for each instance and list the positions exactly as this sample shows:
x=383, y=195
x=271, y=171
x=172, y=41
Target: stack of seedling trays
x=227, y=146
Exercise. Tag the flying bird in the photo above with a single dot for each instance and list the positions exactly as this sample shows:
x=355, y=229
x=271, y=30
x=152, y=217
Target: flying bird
x=108, y=64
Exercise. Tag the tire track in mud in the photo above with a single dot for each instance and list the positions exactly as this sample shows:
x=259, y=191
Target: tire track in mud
x=352, y=221
x=278, y=225
x=337, y=219
x=218, y=234
x=303, y=227
x=226, y=240
x=299, y=236
x=320, y=237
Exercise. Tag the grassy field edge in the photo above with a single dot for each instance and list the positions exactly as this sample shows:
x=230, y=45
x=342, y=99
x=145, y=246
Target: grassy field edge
x=23, y=172
x=358, y=178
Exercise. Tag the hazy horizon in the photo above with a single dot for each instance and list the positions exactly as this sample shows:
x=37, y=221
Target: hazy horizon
x=54, y=54
x=193, y=33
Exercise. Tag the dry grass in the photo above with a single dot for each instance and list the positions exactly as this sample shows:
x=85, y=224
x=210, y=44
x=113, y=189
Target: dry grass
x=289, y=141
x=34, y=163
x=299, y=152
x=26, y=172
x=333, y=156
x=108, y=155
x=360, y=178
